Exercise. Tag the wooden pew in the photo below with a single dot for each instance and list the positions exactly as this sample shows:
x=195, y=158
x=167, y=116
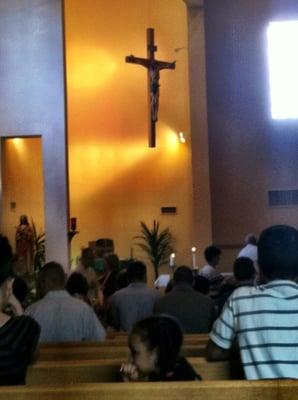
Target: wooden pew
x=107, y=351
x=50, y=372
x=189, y=339
x=223, y=390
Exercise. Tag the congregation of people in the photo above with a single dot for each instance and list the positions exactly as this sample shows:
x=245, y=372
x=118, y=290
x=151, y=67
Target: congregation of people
x=252, y=312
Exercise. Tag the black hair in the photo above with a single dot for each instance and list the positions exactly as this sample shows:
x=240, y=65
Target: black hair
x=201, y=284
x=103, y=246
x=6, y=259
x=51, y=277
x=112, y=261
x=77, y=284
x=211, y=252
x=136, y=271
x=244, y=269
x=20, y=289
x=163, y=334
x=122, y=280
x=5, y=250
x=278, y=252
x=169, y=286
x=183, y=274
x=87, y=256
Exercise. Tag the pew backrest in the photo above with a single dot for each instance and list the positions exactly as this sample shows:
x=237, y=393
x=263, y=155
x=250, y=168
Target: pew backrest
x=122, y=340
x=237, y=390
x=50, y=372
x=52, y=353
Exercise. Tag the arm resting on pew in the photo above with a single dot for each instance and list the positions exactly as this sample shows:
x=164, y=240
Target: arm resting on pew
x=216, y=353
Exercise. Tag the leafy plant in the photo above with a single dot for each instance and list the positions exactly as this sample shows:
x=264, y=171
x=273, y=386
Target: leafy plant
x=156, y=243
x=39, y=250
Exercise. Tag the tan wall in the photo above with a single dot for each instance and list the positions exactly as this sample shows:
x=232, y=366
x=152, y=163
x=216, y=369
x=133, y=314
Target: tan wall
x=199, y=127
x=115, y=179
x=250, y=153
x=22, y=179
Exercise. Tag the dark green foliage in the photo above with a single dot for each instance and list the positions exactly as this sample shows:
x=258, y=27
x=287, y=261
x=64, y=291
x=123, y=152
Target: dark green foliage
x=39, y=248
x=156, y=243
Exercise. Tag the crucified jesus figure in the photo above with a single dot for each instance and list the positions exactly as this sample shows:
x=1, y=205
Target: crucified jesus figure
x=153, y=66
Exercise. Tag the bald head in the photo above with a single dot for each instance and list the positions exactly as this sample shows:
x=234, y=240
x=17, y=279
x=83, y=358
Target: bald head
x=251, y=239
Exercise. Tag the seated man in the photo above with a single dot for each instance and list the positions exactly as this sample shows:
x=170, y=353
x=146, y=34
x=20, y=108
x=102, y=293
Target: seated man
x=134, y=302
x=244, y=275
x=86, y=268
x=18, y=333
x=62, y=317
x=212, y=255
x=250, y=248
x=264, y=318
x=193, y=310
x=77, y=286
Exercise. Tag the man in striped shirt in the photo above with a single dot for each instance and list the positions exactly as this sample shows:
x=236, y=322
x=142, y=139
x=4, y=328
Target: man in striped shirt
x=264, y=319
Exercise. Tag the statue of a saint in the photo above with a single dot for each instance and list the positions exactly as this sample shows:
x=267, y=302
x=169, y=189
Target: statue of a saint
x=24, y=245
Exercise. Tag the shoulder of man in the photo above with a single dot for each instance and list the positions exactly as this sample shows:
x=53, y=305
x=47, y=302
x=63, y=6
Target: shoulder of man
x=33, y=307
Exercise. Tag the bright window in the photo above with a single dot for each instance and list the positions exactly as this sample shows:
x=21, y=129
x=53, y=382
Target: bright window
x=283, y=68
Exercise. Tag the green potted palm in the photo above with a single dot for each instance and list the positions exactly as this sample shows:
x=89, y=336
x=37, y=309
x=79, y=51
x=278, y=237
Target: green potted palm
x=157, y=243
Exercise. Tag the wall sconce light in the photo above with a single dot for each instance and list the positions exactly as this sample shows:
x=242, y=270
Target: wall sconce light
x=181, y=137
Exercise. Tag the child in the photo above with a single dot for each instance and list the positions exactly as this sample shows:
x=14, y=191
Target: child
x=155, y=343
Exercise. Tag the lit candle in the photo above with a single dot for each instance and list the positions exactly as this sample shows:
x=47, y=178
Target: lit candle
x=194, y=263
x=172, y=260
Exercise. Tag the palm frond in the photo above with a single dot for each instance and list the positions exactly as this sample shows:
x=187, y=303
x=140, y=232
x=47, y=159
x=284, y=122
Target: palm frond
x=156, y=243
x=39, y=247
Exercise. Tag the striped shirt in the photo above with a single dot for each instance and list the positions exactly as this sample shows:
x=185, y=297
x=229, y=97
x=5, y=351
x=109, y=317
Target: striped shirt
x=18, y=342
x=264, y=319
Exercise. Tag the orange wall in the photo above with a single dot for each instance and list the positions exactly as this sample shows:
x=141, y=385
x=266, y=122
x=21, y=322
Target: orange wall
x=22, y=179
x=115, y=179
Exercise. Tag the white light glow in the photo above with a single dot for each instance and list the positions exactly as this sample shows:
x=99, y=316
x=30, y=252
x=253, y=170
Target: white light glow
x=182, y=137
x=283, y=68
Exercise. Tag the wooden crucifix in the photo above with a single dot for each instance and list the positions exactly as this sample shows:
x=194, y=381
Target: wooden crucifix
x=153, y=72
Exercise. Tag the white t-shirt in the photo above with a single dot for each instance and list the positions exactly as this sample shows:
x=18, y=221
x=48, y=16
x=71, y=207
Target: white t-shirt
x=209, y=272
x=250, y=251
